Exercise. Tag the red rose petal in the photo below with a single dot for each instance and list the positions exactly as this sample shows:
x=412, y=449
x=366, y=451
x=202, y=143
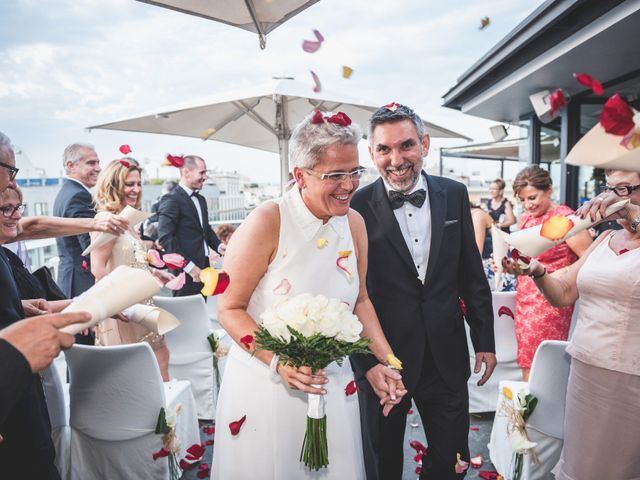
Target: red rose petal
x=504, y=310
x=557, y=101
x=417, y=458
x=487, y=475
x=163, y=452
x=312, y=46
x=223, y=283
x=393, y=106
x=124, y=149
x=590, y=82
x=418, y=447
x=410, y=411
x=463, y=307
x=184, y=465
x=177, y=282
x=209, y=442
x=247, y=340
x=474, y=429
x=84, y=265
x=519, y=257
x=340, y=118
x=476, y=462
x=235, y=426
x=175, y=160
x=174, y=261
x=209, y=430
x=418, y=470
x=624, y=250
x=203, y=473
x=351, y=388
x=616, y=116
x=317, y=117
x=125, y=164
x=196, y=451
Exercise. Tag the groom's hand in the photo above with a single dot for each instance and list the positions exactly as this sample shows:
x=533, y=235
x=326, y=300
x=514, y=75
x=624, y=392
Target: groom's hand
x=489, y=359
x=383, y=380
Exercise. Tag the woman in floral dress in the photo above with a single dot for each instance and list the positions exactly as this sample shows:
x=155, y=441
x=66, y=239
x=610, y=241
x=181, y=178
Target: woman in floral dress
x=535, y=319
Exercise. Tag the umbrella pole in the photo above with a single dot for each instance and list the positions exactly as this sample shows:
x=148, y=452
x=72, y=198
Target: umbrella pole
x=283, y=144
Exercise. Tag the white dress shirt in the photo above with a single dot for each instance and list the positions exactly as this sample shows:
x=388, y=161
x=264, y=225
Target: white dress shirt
x=415, y=225
x=195, y=201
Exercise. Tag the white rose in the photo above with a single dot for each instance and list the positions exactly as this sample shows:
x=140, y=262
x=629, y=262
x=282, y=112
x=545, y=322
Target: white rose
x=350, y=327
x=329, y=324
x=275, y=325
x=519, y=442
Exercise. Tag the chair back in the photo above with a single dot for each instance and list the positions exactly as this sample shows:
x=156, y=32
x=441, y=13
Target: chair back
x=548, y=382
x=191, y=335
x=116, y=392
x=54, y=393
x=504, y=326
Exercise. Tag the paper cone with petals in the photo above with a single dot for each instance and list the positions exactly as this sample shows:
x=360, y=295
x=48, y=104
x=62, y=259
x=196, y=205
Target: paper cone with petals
x=603, y=150
x=154, y=318
x=123, y=287
x=499, y=239
x=133, y=216
x=530, y=242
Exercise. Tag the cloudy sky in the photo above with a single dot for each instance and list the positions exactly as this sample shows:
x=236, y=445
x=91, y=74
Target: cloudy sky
x=68, y=64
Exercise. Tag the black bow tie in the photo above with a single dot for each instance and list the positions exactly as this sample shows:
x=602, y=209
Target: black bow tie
x=416, y=198
x=194, y=193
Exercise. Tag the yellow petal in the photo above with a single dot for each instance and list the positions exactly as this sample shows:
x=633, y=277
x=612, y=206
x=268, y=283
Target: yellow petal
x=208, y=276
x=207, y=133
x=394, y=362
x=344, y=253
x=506, y=391
x=346, y=71
x=322, y=242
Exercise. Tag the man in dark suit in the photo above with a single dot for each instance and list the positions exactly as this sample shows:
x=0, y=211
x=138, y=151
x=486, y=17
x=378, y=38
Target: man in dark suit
x=422, y=260
x=74, y=201
x=183, y=224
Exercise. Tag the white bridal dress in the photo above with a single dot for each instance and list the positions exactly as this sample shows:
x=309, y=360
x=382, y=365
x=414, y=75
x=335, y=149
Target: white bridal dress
x=269, y=443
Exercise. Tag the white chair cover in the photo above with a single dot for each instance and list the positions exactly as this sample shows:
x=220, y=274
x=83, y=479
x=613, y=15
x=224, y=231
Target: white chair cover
x=548, y=382
x=58, y=408
x=191, y=357
x=116, y=394
x=483, y=399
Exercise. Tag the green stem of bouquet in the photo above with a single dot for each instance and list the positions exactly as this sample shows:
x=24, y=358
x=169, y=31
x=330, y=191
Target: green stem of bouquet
x=174, y=471
x=216, y=371
x=517, y=469
x=315, y=451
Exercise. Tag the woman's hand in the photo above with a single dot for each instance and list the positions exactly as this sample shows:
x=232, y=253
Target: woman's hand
x=302, y=378
x=162, y=275
x=35, y=306
x=110, y=223
x=514, y=268
x=389, y=402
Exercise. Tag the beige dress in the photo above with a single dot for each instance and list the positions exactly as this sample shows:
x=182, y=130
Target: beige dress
x=127, y=250
x=602, y=417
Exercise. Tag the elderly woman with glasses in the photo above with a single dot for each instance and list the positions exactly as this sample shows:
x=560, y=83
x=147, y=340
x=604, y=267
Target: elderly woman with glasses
x=295, y=242
x=602, y=416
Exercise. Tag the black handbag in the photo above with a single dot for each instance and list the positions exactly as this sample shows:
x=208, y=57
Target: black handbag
x=53, y=292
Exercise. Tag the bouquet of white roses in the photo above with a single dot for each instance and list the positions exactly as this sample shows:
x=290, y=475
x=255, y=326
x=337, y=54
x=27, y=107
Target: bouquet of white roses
x=313, y=331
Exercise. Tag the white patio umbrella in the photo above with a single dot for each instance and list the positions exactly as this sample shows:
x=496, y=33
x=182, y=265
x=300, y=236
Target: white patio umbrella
x=258, y=16
x=260, y=117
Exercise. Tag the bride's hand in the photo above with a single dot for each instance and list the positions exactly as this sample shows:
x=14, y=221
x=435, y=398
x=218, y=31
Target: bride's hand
x=397, y=390
x=162, y=275
x=302, y=379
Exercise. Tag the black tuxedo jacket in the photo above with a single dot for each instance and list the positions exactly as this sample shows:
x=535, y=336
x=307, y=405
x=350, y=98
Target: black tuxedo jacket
x=179, y=229
x=412, y=313
x=74, y=201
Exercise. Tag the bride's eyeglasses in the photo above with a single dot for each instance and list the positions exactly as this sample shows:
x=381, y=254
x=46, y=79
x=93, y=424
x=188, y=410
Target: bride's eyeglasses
x=354, y=175
x=622, y=190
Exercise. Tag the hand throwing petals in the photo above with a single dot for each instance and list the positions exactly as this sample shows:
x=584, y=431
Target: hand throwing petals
x=177, y=282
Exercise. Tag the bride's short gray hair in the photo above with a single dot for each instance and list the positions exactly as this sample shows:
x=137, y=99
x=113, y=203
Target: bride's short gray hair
x=309, y=140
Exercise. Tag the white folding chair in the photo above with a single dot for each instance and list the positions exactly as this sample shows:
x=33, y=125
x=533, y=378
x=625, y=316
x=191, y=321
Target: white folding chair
x=483, y=399
x=58, y=408
x=190, y=356
x=548, y=382
x=116, y=394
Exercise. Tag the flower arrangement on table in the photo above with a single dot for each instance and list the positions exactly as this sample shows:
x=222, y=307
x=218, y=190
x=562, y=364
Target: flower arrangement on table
x=517, y=410
x=313, y=331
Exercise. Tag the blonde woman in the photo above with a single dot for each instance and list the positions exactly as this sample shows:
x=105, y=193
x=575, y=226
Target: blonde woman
x=119, y=185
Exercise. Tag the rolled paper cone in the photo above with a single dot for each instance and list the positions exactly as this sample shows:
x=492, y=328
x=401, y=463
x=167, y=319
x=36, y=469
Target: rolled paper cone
x=122, y=288
x=133, y=216
x=154, y=318
x=499, y=239
x=530, y=242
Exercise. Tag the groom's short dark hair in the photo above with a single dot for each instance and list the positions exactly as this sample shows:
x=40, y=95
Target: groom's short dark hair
x=392, y=113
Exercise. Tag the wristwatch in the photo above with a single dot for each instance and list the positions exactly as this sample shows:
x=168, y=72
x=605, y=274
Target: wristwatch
x=635, y=223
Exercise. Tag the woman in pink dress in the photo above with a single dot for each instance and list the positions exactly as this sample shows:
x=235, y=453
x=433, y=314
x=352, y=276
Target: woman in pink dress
x=535, y=319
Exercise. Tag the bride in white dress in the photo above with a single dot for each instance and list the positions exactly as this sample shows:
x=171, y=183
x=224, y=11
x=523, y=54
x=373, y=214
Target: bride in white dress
x=290, y=247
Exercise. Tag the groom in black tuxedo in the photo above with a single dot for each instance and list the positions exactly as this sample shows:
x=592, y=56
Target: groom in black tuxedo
x=422, y=260
x=183, y=224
